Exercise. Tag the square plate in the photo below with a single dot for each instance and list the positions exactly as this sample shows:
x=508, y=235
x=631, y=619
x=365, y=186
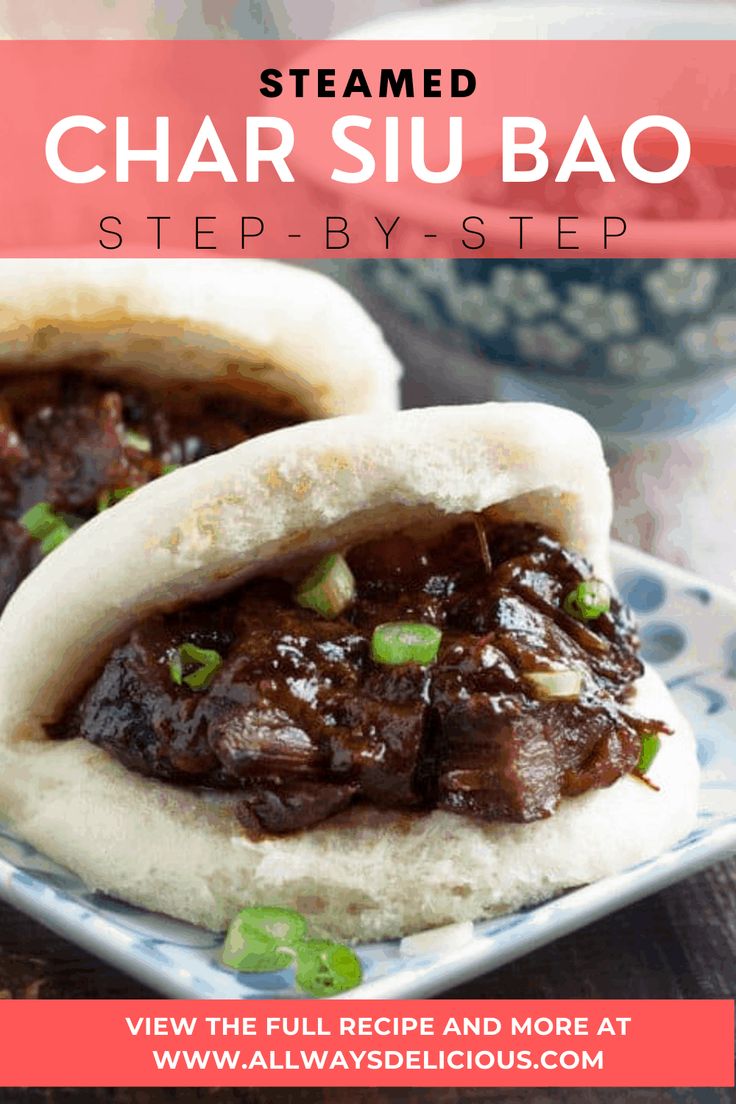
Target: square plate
x=688, y=631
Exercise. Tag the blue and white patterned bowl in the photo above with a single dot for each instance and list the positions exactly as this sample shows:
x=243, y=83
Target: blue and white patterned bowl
x=688, y=632
x=637, y=346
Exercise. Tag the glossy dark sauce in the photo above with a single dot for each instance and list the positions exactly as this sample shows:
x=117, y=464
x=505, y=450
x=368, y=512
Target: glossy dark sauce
x=64, y=440
x=302, y=722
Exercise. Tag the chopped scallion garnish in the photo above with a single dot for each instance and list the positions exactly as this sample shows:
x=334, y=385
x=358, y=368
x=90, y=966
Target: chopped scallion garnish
x=169, y=468
x=46, y=526
x=261, y=939
x=108, y=498
x=138, y=441
x=329, y=588
x=562, y=683
x=56, y=537
x=40, y=520
x=264, y=939
x=588, y=600
x=399, y=642
x=206, y=660
x=324, y=969
x=650, y=745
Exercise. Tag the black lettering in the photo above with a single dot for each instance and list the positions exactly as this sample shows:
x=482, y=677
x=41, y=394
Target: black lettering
x=357, y=83
x=432, y=87
x=299, y=75
x=271, y=83
x=245, y=233
x=387, y=233
x=326, y=83
x=201, y=232
x=475, y=233
x=608, y=234
x=338, y=230
x=457, y=90
x=561, y=233
x=112, y=233
x=522, y=219
x=396, y=84
x=158, y=219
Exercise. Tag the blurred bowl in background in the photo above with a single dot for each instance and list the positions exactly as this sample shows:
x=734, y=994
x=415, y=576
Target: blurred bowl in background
x=547, y=19
x=638, y=346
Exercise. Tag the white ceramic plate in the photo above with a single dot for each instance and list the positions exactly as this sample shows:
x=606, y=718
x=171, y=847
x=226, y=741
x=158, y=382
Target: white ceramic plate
x=688, y=630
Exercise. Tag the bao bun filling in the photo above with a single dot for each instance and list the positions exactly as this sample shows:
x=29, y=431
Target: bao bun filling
x=72, y=444
x=483, y=671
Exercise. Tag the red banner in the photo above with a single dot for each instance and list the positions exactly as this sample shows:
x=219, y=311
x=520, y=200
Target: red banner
x=365, y=1043
x=382, y=149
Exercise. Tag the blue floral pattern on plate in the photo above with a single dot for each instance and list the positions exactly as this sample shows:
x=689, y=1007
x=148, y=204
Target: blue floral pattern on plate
x=688, y=631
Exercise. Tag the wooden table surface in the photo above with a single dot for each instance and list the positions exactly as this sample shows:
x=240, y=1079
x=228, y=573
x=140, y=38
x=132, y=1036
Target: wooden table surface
x=680, y=943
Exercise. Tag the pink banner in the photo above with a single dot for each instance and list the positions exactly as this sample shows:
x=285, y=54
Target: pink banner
x=367, y=1043
x=384, y=149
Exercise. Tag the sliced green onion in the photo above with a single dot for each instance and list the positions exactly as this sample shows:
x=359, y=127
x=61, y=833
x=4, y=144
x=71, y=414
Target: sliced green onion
x=249, y=950
x=169, y=468
x=40, y=520
x=565, y=682
x=261, y=939
x=280, y=923
x=109, y=498
x=588, y=600
x=650, y=745
x=208, y=663
x=324, y=968
x=329, y=588
x=138, y=441
x=46, y=526
x=56, y=537
x=399, y=642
